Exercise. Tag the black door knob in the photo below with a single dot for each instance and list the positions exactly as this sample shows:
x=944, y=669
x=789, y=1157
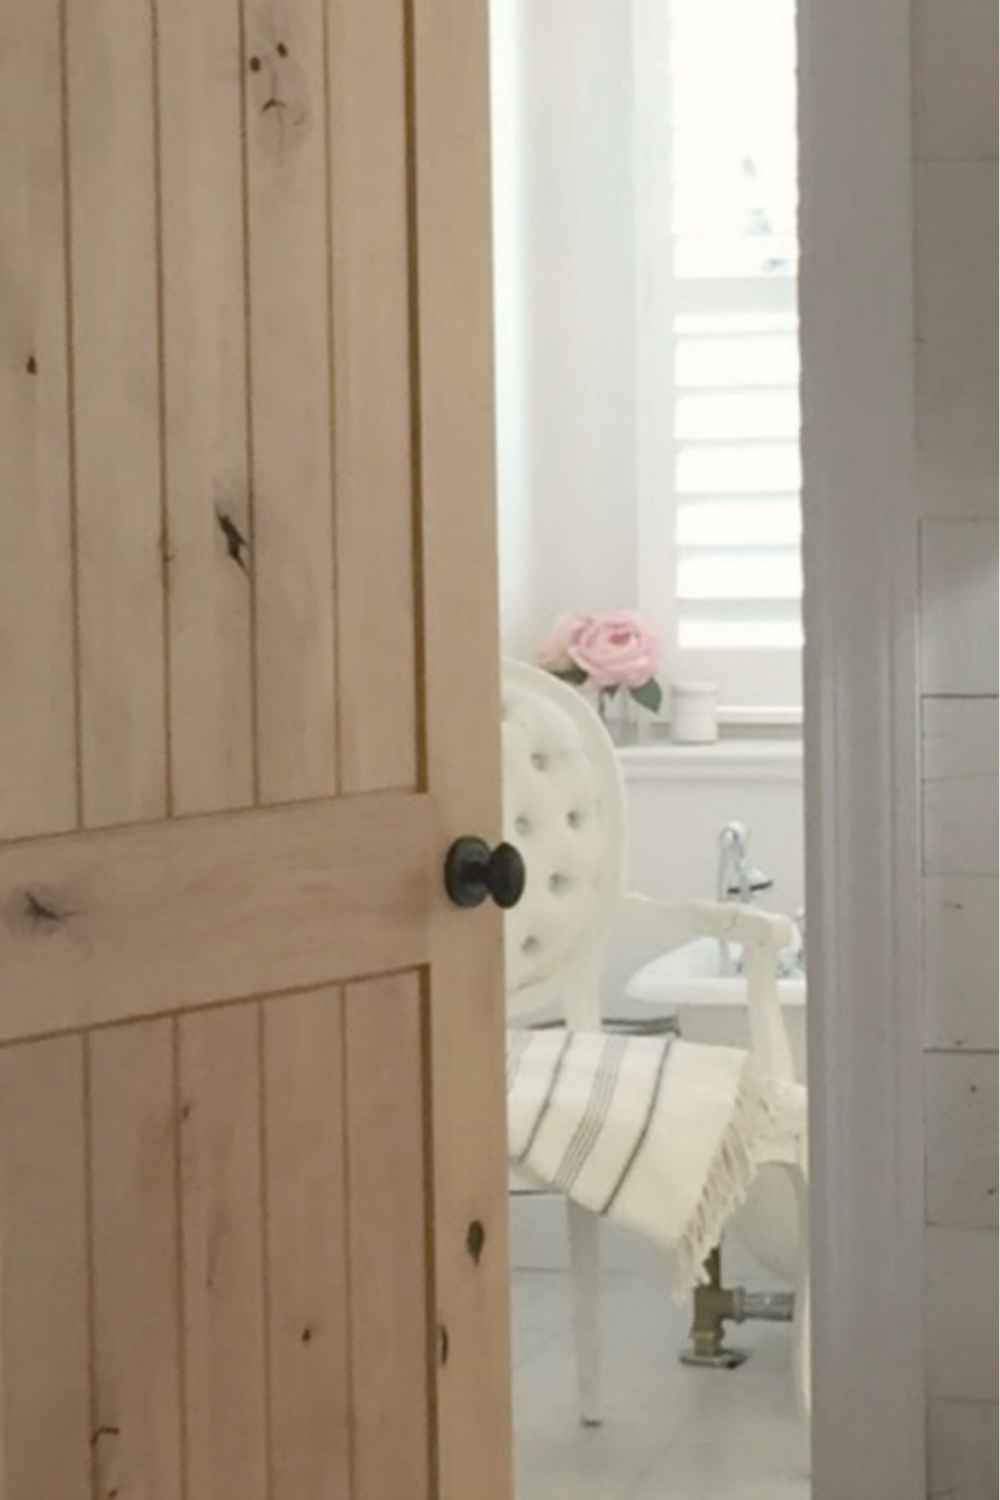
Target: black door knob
x=473, y=871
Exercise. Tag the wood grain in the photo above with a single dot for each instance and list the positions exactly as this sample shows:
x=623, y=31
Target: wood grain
x=117, y=419
x=373, y=366
x=44, y=1345
x=291, y=405
x=205, y=396
x=307, y=1246
x=137, y=1396
x=386, y=1219
x=222, y=1246
x=37, y=725
x=266, y=204
x=203, y=910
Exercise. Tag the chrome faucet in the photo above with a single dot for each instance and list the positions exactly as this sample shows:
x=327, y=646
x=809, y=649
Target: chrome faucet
x=738, y=879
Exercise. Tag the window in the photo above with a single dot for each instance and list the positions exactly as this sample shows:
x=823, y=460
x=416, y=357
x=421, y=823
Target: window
x=718, y=405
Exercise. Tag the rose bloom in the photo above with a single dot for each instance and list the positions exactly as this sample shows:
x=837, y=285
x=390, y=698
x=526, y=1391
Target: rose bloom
x=553, y=653
x=615, y=649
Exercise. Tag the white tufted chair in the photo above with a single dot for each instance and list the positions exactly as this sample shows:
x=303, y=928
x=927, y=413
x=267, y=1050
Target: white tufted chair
x=564, y=809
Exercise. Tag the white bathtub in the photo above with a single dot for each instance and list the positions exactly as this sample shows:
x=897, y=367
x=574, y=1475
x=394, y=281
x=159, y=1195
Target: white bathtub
x=711, y=1007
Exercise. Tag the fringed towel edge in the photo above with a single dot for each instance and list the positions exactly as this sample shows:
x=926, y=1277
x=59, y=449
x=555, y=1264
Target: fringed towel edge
x=729, y=1179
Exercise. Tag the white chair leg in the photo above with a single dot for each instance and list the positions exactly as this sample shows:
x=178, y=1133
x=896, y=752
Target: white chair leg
x=584, y=1275
x=801, y=1348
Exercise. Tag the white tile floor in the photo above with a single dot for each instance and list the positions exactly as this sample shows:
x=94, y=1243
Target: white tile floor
x=670, y=1432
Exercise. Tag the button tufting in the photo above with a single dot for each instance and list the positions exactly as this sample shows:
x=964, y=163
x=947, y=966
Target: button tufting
x=559, y=883
x=540, y=761
x=522, y=825
x=574, y=818
x=530, y=945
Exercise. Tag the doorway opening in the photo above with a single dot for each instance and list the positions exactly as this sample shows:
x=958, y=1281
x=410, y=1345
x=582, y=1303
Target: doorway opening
x=645, y=183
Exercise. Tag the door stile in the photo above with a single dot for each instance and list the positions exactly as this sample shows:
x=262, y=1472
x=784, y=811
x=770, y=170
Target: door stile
x=451, y=179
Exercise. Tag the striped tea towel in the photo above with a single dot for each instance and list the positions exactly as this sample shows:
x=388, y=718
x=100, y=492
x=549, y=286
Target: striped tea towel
x=657, y=1133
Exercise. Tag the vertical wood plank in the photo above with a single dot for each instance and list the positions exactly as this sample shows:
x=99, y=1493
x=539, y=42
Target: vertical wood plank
x=290, y=404
x=961, y=1313
x=387, y=1228
x=373, y=465
x=205, y=353
x=960, y=962
x=961, y=1132
x=962, y=1450
x=134, y=1170
x=306, y=1238
x=954, y=90
x=44, y=1354
x=960, y=810
x=954, y=370
x=115, y=340
x=958, y=607
x=222, y=1248
x=37, y=729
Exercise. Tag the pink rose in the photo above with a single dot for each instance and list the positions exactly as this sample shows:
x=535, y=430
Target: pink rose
x=615, y=650
x=553, y=654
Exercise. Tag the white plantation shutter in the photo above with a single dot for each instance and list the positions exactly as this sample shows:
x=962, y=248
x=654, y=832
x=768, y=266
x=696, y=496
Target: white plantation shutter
x=716, y=162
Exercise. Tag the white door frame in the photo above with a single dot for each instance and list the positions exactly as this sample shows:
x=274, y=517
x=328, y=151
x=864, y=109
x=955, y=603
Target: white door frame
x=862, y=782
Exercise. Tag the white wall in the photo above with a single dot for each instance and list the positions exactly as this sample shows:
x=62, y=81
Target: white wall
x=564, y=267
x=679, y=800
x=955, y=207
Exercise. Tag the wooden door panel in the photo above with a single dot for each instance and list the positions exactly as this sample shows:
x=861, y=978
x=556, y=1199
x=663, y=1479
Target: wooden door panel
x=214, y=1275
x=44, y=1345
x=242, y=344
x=123, y=923
x=115, y=409
x=205, y=398
x=37, y=733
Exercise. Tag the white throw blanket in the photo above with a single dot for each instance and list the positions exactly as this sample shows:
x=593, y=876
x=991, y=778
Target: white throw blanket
x=657, y=1133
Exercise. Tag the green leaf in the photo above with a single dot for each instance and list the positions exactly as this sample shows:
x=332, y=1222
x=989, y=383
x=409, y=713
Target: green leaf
x=650, y=695
x=574, y=675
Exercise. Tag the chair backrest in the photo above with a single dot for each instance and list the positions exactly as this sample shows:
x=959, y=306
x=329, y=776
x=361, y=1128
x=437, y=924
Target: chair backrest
x=564, y=809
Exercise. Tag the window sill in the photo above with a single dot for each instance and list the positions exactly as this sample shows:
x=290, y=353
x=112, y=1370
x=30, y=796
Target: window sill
x=728, y=759
x=781, y=719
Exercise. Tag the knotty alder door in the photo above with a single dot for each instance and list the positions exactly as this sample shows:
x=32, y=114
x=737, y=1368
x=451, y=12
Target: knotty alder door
x=252, y=1166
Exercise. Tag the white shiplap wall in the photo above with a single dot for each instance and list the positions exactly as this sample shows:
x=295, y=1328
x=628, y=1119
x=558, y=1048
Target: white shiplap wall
x=955, y=170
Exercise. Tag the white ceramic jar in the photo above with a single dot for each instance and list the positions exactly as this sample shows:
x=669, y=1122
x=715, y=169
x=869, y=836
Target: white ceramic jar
x=694, y=713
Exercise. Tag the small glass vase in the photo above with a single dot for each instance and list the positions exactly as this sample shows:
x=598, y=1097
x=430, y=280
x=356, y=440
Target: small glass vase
x=621, y=716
